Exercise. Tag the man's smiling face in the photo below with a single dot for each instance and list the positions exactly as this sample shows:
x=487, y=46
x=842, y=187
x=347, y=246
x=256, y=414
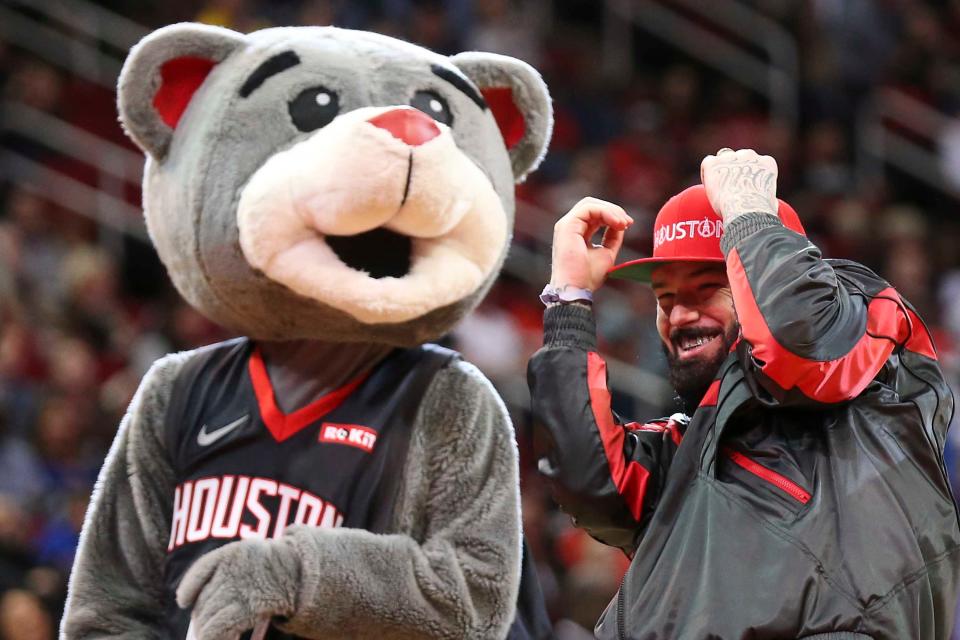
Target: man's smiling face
x=697, y=324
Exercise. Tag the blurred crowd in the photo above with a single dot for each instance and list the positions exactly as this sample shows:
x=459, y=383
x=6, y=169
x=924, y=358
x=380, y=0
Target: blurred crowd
x=83, y=312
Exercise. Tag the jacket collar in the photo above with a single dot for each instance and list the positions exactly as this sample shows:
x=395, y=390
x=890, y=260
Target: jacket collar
x=733, y=395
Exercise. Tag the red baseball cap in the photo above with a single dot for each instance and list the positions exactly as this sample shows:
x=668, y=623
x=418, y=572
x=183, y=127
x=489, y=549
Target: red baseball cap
x=687, y=229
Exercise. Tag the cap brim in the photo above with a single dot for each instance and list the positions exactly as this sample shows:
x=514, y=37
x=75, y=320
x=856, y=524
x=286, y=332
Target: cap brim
x=640, y=270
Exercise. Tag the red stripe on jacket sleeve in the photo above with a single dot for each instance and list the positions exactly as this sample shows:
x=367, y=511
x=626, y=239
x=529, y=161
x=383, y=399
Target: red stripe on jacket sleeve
x=920, y=340
x=675, y=434
x=629, y=478
x=825, y=381
x=668, y=427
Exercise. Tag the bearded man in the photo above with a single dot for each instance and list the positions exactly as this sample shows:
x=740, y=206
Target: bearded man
x=802, y=491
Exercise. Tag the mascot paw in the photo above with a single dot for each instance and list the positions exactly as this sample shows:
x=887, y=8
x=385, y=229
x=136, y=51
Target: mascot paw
x=231, y=588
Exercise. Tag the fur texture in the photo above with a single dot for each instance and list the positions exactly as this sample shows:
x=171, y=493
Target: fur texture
x=489, y=70
x=116, y=587
x=234, y=587
x=191, y=201
x=440, y=574
x=141, y=77
x=438, y=197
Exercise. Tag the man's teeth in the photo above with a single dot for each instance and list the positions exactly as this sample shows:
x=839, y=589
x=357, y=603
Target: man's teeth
x=692, y=343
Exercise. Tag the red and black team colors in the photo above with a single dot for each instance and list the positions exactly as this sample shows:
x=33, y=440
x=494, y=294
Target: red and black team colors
x=244, y=469
x=334, y=196
x=806, y=495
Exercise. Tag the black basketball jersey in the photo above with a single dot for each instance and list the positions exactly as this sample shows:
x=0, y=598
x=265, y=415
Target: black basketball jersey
x=245, y=469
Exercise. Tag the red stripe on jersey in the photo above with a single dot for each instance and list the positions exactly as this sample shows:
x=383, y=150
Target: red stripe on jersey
x=630, y=479
x=283, y=425
x=825, y=381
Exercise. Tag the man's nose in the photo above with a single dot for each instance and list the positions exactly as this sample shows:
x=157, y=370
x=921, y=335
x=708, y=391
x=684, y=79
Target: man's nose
x=682, y=314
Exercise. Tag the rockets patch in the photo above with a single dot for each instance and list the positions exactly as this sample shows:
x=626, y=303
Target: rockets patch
x=353, y=435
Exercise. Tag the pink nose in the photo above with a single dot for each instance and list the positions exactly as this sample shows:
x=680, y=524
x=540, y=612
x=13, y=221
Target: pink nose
x=410, y=125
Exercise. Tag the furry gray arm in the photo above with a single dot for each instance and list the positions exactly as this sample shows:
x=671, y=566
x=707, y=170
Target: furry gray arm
x=452, y=573
x=116, y=586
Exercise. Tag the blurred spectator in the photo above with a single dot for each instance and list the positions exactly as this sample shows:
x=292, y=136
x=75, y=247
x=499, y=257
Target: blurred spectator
x=21, y=368
x=319, y=13
x=35, y=84
x=489, y=338
x=233, y=14
x=38, y=249
x=593, y=571
x=57, y=540
x=904, y=229
x=508, y=27
x=845, y=34
x=69, y=464
x=21, y=474
x=23, y=617
x=949, y=148
x=825, y=165
x=17, y=559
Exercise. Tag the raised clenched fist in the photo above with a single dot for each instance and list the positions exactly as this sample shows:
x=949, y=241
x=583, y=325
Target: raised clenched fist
x=739, y=182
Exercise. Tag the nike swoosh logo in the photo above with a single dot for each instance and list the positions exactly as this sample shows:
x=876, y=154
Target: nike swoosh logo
x=206, y=438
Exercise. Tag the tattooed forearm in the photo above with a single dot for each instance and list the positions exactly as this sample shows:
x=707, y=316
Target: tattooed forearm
x=739, y=204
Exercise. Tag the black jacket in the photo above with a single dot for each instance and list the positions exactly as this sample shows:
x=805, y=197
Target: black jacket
x=806, y=495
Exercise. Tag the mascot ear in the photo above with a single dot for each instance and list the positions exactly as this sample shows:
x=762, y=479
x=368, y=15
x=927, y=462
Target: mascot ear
x=160, y=76
x=520, y=103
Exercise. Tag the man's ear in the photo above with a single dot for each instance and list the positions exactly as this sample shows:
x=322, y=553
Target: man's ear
x=160, y=76
x=520, y=102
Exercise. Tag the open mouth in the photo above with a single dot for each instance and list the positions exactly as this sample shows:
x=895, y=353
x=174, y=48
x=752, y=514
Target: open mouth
x=690, y=342
x=381, y=253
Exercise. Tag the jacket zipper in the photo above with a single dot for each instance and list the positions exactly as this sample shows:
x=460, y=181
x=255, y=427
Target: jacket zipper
x=621, y=631
x=786, y=485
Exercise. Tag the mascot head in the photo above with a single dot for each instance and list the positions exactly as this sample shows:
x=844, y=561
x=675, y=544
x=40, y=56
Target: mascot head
x=322, y=183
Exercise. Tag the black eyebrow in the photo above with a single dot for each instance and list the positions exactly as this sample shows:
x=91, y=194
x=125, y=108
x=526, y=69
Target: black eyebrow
x=460, y=83
x=270, y=67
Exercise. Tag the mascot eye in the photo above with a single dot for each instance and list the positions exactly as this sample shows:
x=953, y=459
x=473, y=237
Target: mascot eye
x=314, y=108
x=432, y=105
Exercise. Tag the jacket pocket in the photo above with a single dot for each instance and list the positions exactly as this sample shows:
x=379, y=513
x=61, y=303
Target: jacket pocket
x=781, y=482
x=767, y=488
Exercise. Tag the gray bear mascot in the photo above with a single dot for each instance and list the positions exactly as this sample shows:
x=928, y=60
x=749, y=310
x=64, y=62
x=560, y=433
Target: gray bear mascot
x=339, y=198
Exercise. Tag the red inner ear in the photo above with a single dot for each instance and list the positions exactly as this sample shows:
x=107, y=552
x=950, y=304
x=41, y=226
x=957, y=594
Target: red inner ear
x=505, y=112
x=179, y=79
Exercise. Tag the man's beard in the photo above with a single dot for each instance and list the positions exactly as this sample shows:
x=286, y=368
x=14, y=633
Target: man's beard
x=692, y=379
